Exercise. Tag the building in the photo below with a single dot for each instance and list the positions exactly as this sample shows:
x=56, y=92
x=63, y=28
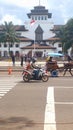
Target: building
x=36, y=35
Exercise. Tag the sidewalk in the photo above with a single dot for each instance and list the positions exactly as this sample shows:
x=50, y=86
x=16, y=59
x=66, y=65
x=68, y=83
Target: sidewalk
x=17, y=63
x=4, y=65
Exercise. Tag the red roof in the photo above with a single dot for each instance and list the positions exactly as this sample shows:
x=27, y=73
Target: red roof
x=24, y=39
x=53, y=38
x=37, y=46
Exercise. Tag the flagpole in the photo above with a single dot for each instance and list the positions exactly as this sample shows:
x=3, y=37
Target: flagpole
x=32, y=23
x=34, y=47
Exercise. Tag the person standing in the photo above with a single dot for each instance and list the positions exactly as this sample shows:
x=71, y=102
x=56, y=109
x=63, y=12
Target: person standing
x=13, y=59
x=25, y=58
x=68, y=58
x=22, y=59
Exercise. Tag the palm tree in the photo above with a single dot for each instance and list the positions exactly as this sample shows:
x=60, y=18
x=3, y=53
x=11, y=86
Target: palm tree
x=65, y=34
x=8, y=35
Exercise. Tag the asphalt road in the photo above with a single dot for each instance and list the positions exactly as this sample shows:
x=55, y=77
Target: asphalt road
x=36, y=105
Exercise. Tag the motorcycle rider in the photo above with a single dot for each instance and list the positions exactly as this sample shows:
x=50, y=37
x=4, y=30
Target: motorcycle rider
x=28, y=66
x=32, y=68
x=35, y=68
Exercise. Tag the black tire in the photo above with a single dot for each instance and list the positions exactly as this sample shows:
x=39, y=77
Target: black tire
x=26, y=78
x=45, y=78
x=54, y=73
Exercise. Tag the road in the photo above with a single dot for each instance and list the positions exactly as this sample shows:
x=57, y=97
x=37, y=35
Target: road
x=36, y=105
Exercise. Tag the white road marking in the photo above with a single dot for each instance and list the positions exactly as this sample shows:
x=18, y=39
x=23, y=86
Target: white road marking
x=64, y=87
x=3, y=88
x=64, y=103
x=2, y=92
x=50, y=123
x=6, y=84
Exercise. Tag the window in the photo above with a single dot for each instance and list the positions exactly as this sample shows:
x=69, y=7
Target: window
x=17, y=53
x=17, y=45
x=11, y=53
x=45, y=18
x=32, y=18
x=59, y=51
x=35, y=17
x=38, y=17
x=42, y=18
x=11, y=45
x=5, y=53
x=5, y=45
x=18, y=34
x=60, y=45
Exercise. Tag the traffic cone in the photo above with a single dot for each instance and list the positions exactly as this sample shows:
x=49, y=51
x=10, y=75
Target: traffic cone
x=9, y=70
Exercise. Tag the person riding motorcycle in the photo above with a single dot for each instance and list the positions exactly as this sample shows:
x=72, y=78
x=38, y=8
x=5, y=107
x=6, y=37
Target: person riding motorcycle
x=28, y=64
x=35, y=68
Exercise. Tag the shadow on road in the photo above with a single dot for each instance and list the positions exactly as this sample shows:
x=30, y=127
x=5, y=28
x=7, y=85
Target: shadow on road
x=16, y=122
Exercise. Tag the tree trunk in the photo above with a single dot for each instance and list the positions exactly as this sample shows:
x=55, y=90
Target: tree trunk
x=9, y=49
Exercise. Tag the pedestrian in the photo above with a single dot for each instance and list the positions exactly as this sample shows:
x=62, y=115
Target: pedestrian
x=22, y=59
x=25, y=57
x=69, y=59
x=13, y=59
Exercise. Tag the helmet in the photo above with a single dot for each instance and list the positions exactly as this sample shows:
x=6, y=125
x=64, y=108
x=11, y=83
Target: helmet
x=33, y=60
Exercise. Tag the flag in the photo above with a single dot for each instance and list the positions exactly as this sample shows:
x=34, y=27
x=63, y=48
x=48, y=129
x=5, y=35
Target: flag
x=32, y=22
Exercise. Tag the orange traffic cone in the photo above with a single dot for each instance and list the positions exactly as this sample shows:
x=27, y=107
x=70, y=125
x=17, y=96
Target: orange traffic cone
x=9, y=70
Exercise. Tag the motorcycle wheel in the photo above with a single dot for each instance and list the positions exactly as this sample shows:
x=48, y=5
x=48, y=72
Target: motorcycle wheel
x=45, y=78
x=26, y=78
x=54, y=73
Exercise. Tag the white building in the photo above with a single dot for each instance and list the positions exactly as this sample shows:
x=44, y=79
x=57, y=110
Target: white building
x=34, y=39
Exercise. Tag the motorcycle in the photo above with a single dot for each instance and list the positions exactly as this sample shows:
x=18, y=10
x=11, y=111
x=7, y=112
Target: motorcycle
x=42, y=75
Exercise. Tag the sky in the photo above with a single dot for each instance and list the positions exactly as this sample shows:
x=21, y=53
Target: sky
x=16, y=10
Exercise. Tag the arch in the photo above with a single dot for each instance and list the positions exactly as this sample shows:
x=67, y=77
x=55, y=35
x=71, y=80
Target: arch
x=17, y=54
x=5, y=54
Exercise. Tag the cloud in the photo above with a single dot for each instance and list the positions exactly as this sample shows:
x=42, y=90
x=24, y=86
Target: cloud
x=13, y=12
x=12, y=18
x=20, y=3
x=16, y=10
x=66, y=10
x=61, y=9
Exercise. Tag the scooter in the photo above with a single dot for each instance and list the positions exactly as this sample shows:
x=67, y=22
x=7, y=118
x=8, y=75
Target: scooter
x=36, y=74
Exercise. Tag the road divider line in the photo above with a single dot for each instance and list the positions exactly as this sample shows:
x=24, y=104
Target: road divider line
x=50, y=123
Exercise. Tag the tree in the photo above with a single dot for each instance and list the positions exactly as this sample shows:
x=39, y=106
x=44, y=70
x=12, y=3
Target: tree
x=69, y=35
x=8, y=35
x=66, y=35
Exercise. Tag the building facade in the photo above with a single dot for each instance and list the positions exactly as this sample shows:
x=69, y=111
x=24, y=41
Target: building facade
x=36, y=35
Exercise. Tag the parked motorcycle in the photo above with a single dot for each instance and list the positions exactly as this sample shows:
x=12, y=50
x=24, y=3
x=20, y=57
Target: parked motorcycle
x=42, y=75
